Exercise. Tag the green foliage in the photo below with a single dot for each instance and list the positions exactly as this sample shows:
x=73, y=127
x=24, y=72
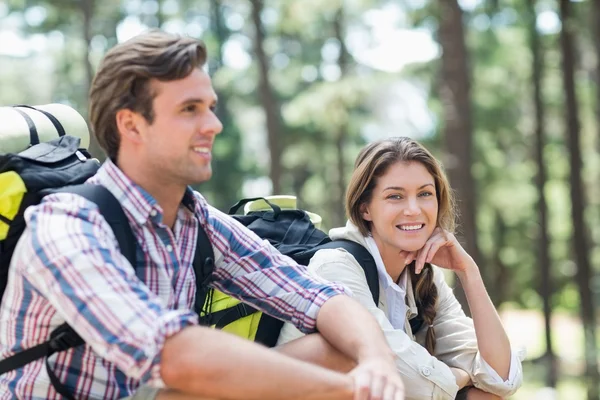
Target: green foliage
x=317, y=108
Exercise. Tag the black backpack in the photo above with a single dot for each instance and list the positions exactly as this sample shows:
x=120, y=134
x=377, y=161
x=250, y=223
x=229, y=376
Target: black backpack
x=293, y=234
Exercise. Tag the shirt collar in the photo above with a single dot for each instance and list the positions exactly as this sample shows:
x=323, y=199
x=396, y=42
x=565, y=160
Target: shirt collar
x=384, y=277
x=137, y=201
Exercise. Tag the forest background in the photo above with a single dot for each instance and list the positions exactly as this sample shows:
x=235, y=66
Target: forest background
x=504, y=92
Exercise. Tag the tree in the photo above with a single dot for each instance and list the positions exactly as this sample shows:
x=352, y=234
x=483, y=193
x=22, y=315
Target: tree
x=544, y=261
x=341, y=136
x=224, y=188
x=595, y=14
x=455, y=88
x=268, y=98
x=580, y=239
x=87, y=10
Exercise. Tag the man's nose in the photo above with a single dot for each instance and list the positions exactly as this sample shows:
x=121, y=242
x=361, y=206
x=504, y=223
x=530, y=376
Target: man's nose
x=212, y=125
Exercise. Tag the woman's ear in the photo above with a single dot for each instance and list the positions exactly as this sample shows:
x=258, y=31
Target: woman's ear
x=364, y=212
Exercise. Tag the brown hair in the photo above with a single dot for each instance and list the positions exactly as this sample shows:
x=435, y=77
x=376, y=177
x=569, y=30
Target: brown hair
x=373, y=162
x=123, y=79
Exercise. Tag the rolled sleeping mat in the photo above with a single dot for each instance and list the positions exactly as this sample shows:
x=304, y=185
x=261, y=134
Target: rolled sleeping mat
x=22, y=126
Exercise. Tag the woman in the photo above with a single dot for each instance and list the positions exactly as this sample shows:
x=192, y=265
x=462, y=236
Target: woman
x=400, y=208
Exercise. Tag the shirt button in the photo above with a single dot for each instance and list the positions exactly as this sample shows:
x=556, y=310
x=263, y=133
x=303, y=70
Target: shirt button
x=169, y=248
x=426, y=371
x=153, y=213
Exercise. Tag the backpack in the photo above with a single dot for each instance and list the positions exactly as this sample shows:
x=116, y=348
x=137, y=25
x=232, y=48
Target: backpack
x=293, y=234
x=61, y=165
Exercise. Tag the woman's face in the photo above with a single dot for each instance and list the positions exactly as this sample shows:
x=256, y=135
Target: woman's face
x=403, y=209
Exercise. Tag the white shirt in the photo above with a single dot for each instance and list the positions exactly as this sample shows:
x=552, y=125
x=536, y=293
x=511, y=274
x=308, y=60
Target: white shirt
x=395, y=294
x=426, y=376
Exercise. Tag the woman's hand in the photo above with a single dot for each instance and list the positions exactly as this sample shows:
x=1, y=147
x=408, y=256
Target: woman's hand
x=443, y=250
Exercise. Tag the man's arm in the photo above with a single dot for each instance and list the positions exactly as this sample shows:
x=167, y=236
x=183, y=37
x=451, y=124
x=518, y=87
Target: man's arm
x=214, y=364
x=350, y=328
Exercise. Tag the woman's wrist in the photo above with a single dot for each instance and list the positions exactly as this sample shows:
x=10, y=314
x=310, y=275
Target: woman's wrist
x=469, y=273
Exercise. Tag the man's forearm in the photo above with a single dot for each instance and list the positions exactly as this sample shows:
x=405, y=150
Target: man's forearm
x=352, y=330
x=214, y=364
x=315, y=349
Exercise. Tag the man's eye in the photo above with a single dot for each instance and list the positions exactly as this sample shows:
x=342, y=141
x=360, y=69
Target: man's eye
x=190, y=108
x=214, y=108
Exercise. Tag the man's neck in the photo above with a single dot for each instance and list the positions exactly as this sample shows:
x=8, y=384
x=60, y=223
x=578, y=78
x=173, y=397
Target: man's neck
x=168, y=195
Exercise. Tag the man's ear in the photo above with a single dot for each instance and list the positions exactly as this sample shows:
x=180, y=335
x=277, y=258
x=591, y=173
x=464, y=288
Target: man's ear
x=129, y=124
x=364, y=211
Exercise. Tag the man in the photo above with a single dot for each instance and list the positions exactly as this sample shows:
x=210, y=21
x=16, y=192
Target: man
x=152, y=111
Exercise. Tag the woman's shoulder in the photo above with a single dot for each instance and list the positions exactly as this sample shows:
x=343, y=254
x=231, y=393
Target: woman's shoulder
x=335, y=255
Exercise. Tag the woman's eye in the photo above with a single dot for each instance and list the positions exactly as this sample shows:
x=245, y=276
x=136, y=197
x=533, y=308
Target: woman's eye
x=394, y=197
x=426, y=194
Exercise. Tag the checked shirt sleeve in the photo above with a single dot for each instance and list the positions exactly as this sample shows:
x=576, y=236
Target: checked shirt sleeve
x=251, y=270
x=76, y=266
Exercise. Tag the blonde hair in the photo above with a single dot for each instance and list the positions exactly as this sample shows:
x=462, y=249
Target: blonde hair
x=373, y=162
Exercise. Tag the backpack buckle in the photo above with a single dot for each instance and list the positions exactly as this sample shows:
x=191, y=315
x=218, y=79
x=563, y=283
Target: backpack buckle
x=63, y=338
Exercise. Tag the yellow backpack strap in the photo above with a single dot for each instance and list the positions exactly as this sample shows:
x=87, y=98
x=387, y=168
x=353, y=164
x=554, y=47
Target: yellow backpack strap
x=222, y=318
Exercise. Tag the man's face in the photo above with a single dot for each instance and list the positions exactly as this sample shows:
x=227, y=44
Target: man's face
x=177, y=146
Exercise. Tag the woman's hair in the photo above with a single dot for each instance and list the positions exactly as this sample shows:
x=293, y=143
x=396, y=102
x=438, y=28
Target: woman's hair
x=373, y=162
x=123, y=79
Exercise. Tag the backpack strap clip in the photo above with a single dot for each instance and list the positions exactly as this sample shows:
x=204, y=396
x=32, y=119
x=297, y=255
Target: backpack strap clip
x=63, y=338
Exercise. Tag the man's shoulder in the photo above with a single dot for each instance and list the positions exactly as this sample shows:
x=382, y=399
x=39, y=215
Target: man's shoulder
x=208, y=213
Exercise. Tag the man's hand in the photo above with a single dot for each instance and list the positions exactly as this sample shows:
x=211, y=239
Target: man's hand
x=377, y=379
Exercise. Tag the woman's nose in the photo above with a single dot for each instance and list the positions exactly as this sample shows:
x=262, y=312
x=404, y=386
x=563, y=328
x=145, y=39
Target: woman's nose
x=412, y=208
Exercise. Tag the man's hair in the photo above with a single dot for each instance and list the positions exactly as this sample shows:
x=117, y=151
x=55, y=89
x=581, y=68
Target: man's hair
x=123, y=79
x=371, y=164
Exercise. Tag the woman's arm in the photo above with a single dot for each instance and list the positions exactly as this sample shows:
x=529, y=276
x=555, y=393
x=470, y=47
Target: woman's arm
x=443, y=250
x=424, y=375
x=492, y=340
x=456, y=345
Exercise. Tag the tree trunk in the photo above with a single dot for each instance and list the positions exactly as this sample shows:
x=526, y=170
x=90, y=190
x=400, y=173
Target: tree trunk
x=221, y=32
x=268, y=99
x=227, y=181
x=87, y=11
x=540, y=182
x=458, y=130
x=338, y=216
x=595, y=14
x=160, y=16
x=580, y=243
x=499, y=291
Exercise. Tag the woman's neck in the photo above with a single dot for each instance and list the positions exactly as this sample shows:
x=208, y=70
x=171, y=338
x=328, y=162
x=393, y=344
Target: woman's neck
x=392, y=260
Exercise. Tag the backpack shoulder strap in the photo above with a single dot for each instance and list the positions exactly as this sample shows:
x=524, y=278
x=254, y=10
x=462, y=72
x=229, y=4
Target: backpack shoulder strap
x=364, y=258
x=113, y=213
x=64, y=337
x=204, y=265
x=367, y=262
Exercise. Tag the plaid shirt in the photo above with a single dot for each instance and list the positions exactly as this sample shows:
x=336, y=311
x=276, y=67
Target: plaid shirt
x=67, y=267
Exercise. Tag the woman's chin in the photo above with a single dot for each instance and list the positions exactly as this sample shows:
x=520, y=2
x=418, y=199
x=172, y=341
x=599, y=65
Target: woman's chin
x=413, y=248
